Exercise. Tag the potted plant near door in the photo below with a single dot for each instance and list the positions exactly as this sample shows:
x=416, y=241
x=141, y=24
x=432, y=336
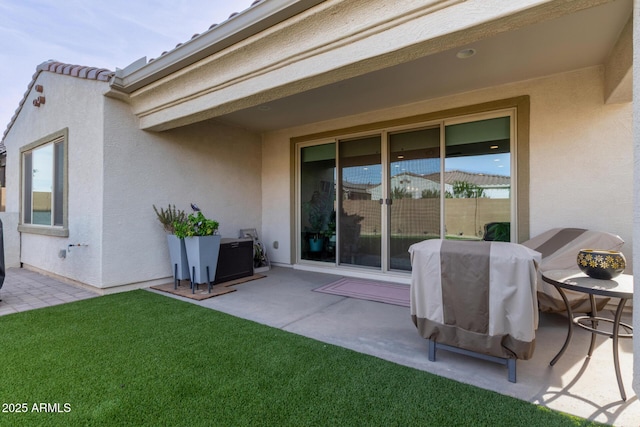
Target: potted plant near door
x=318, y=210
x=202, y=243
x=177, y=252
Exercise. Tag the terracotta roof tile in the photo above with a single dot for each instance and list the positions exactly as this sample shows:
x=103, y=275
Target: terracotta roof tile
x=91, y=73
x=78, y=71
x=82, y=72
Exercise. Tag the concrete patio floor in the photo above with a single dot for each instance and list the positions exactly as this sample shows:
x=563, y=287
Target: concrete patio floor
x=283, y=299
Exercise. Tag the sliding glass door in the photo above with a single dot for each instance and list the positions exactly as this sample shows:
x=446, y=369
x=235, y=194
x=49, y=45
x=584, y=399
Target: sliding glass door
x=414, y=186
x=477, y=177
x=317, y=203
x=363, y=201
x=360, y=222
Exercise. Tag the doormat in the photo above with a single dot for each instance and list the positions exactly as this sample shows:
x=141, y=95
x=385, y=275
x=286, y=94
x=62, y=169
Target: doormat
x=389, y=293
x=184, y=288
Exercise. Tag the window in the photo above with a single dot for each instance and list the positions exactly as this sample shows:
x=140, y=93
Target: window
x=44, y=184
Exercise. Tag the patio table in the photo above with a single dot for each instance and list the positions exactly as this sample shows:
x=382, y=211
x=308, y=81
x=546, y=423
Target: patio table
x=620, y=287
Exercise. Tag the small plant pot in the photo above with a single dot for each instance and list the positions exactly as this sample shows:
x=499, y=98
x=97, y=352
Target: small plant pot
x=315, y=244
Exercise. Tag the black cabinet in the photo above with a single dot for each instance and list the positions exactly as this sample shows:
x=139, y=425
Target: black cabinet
x=235, y=259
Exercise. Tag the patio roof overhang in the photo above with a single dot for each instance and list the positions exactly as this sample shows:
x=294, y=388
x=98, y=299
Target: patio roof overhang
x=334, y=60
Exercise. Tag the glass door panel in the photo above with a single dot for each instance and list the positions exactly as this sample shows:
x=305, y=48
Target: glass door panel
x=478, y=180
x=318, y=198
x=414, y=186
x=360, y=223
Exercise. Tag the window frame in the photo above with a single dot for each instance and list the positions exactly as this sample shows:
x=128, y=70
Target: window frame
x=59, y=137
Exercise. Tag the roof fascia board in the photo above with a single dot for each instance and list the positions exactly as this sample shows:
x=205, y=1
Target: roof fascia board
x=257, y=18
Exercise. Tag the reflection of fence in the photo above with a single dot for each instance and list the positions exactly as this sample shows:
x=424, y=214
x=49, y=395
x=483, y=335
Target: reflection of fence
x=41, y=201
x=465, y=217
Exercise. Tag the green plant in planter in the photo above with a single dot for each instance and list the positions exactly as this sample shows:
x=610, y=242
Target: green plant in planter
x=196, y=224
x=169, y=217
x=177, y=252
x=498, y=232
x=331, y=226
x=202, y=244
x=318, y=209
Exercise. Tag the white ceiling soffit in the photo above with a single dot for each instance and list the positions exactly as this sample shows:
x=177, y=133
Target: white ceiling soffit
x=578, y=40
x=257, y=18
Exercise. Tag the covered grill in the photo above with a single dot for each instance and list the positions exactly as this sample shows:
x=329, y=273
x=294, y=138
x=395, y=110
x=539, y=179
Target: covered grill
x=479, y=297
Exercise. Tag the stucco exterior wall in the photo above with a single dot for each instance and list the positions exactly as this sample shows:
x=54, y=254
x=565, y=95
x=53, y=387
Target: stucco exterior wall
x=277, y=196
x=212, y=165
x=580, y=155
x=636, y=192
x=75, y=104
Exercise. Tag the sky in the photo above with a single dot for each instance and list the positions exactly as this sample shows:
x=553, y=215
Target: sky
x=96, y=33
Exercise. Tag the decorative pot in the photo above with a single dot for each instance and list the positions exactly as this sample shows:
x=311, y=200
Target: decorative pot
x=601, y=264
x=315, y=244
x=202, y=254
x=178, y=256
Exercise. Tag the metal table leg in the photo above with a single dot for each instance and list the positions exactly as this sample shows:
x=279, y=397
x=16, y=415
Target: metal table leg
x=615, y=335
x=569, y=330
x=594, y=323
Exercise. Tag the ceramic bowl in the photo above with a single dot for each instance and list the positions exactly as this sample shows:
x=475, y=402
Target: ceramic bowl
x=601, y=264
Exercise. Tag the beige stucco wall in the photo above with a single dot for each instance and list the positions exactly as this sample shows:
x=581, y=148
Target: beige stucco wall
x=581, y=155
x=75, y=104
x=636, y=192
x=116, y=173
x=214, y=166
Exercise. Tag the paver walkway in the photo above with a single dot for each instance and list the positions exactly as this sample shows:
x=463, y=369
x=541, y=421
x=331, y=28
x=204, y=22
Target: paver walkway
x=25, y=290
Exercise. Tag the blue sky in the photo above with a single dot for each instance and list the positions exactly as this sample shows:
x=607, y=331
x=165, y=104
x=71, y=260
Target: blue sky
x=96, y=33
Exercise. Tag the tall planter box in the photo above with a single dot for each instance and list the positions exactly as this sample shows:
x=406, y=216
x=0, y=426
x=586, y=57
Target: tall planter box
x=178, y=256
x=202, y=252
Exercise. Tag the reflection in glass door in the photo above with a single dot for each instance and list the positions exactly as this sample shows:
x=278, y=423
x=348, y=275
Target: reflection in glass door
x=360, y=223
x=317, y=207
x=364, y=201
x=478, y=180
x=414, y=186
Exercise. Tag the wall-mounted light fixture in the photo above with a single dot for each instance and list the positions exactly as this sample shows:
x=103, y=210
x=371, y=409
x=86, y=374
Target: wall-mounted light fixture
x=466, y=53
x=39, y=88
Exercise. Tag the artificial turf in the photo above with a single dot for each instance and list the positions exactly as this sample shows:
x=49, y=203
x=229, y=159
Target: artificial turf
x=143, y=359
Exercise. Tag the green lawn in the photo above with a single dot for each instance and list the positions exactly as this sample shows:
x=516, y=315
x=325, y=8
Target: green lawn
x=139, y=358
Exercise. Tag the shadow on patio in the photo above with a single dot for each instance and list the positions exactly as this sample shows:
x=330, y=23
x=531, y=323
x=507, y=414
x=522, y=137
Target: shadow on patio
x=283, y=299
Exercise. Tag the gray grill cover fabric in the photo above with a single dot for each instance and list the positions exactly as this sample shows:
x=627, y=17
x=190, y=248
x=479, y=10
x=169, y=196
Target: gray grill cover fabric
x=479, y=296
x=559, y=248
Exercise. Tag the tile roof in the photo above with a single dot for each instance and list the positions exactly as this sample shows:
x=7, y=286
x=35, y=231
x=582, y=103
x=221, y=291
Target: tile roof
x=90, y=73
x=51, y=66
